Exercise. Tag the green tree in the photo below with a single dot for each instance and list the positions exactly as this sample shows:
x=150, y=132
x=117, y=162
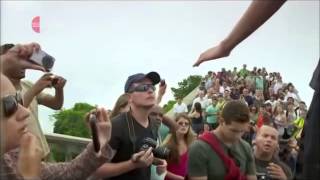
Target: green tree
x=168, y=106
x=186, y=86
x=71, y=121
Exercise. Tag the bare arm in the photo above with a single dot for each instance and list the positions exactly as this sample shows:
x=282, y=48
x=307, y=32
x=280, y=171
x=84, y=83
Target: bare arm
x=257, y=14
x=161, y=92
x=174, y=176
x=173, y=126
x=28, y=97
x=54, y=102
x=199, y=178
x=33, y=90
x=251, y=177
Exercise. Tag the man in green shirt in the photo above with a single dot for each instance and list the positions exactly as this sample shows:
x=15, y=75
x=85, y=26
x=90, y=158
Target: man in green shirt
x=243, y=72
x=205, y=163
x=211, y=113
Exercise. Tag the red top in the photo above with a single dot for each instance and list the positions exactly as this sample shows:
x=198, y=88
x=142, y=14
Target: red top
x=179, y=168
x=260, y=120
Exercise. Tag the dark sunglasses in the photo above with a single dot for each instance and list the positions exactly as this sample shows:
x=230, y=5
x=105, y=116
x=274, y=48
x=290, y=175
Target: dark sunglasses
x=142, y=88
x=10, y=104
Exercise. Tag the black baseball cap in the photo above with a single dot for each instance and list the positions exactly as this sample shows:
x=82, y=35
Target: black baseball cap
x=153, y=76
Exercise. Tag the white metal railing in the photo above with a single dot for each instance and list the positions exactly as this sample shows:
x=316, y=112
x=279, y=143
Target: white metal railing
x=69, y=144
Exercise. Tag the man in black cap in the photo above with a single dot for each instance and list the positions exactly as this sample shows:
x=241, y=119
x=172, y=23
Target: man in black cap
x=129, y=130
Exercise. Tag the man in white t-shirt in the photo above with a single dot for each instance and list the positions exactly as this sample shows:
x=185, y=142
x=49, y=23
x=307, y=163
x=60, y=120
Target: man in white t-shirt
x=224, y=87
x=180, y=107
x=292, y=92
x=201, y=99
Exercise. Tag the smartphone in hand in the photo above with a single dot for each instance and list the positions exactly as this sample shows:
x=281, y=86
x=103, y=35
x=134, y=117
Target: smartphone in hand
x=94, y=132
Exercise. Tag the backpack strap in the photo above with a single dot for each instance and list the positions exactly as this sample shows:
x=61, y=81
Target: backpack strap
x=233, y=171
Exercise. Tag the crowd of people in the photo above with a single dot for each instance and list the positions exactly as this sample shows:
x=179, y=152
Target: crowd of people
x=270, y=101
x=243, y=124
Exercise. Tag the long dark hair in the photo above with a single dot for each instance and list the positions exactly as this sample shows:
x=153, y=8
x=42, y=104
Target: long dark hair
x=198, y=108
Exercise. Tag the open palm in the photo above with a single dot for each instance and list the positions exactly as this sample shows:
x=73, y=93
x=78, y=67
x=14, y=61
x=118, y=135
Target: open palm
x=211, y=54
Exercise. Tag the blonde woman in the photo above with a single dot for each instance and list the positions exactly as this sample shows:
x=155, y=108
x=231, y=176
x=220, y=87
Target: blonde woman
x=178, y=143
x=280, y=118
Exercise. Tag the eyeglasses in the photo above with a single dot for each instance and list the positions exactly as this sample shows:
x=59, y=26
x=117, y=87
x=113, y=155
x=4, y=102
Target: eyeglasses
x=183, y=123
x=10, y=104
x=143, y=88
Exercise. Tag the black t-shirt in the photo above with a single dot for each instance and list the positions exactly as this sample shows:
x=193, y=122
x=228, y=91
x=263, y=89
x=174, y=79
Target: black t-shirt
x=120, y=141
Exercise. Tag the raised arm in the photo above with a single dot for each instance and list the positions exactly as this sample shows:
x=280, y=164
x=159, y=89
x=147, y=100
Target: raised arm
x=172, y=125
x=54, y=102
x=257, y=14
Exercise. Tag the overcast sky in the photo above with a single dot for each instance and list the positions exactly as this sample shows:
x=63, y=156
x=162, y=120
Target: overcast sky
x=97, y=45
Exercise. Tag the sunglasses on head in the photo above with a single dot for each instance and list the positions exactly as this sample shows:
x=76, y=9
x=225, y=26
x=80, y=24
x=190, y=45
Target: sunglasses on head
x=142, y=88
x=10, y=104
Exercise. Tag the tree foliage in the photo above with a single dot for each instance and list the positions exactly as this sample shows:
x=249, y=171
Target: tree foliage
x=183, y=89
x=71, y=121
x=186, y=86
x=168, y=106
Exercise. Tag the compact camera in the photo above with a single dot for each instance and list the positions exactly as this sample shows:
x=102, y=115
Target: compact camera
x=43, y=59
x=263, y=176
